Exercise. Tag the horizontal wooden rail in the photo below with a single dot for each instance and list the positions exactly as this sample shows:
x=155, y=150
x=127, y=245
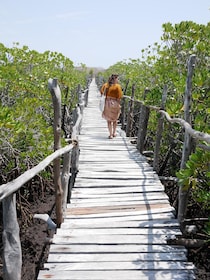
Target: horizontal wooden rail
x=194, y=133
x=16, y=184
x=202, y=136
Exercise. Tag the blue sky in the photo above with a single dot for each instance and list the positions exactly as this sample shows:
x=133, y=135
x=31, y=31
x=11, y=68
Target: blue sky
x=96, y=33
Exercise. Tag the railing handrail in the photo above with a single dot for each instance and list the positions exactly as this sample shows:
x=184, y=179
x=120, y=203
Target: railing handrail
x=13, y=186
x=199, y=135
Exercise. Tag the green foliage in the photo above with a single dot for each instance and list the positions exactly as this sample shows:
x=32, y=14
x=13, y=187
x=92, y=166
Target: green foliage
x=26, y=112
x=196, y=175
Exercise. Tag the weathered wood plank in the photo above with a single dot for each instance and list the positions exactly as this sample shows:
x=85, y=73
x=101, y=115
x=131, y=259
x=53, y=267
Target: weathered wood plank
x=117, y=231
x=118, y=203
x=111, y=218
x=140, y=210
x=89, y=189
x=156, y=224
x=77, y=198
x=146, y=182
x=91, y=174
x=116, y=257
x=115, y=265
x=110, y=239
x=100, y=166
x=117, y=248
x=116, y=275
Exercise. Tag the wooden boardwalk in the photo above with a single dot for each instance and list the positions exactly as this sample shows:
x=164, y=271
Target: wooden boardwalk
x=117, y=224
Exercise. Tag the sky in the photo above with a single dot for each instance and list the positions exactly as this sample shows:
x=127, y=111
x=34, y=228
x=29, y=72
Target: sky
x=94, y=32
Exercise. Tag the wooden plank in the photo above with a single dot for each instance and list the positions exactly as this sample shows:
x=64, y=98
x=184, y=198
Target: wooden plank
x=110, y=239
x=115, y=175
x=138, y=212
x=115, y=265
x=120, y=167
x=118, y=197
x=142, y=211
x=116, y=275
x=121, y=195
x=86, y=159
x=118, y=203
x=146, y=182
x=116, y=257
x=88, y=219
x=112, y=190
x=117, y=248
x=154, y=224
x=116, y=231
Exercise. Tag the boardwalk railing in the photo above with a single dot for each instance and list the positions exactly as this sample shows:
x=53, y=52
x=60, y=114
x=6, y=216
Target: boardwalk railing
x=135, y=118
x=12, y=253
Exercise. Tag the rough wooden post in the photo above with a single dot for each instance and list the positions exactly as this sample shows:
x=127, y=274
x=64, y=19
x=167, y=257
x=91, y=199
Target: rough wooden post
x=86, y=97
x=123, y=113
x=74, y=169
x=126, y=87
x=130, y=113
x=12, y=255
x=123, y=104
x=56, y=97
x=65, y=178
x=159, y=131
x=77, y=119
x=183, y=193
x=143, y=121
x=79, y=94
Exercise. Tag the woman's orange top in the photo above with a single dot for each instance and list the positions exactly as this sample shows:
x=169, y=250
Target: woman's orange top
x=114, y=91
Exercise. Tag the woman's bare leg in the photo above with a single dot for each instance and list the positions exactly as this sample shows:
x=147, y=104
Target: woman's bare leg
x=109, y=128
x=114, y=128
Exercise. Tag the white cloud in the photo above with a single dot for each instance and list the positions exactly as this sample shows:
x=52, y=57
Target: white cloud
x=73, y=15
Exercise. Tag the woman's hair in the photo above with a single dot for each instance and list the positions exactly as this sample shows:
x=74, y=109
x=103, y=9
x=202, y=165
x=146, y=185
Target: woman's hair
x=112, y=78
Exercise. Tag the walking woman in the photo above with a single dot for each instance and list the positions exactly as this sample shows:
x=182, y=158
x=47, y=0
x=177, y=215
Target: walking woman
x=112, y=109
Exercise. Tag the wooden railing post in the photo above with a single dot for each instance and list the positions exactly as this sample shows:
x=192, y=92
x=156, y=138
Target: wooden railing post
x=129, y=124
x=56, y=97
x=79, y=94
x=65, y=178
x=12, y=255
x=77, y=120
x=187, y=147
x=74, y=169
x=86, y=97
x=143, y=121
x=159, y=132
x=123, y=113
